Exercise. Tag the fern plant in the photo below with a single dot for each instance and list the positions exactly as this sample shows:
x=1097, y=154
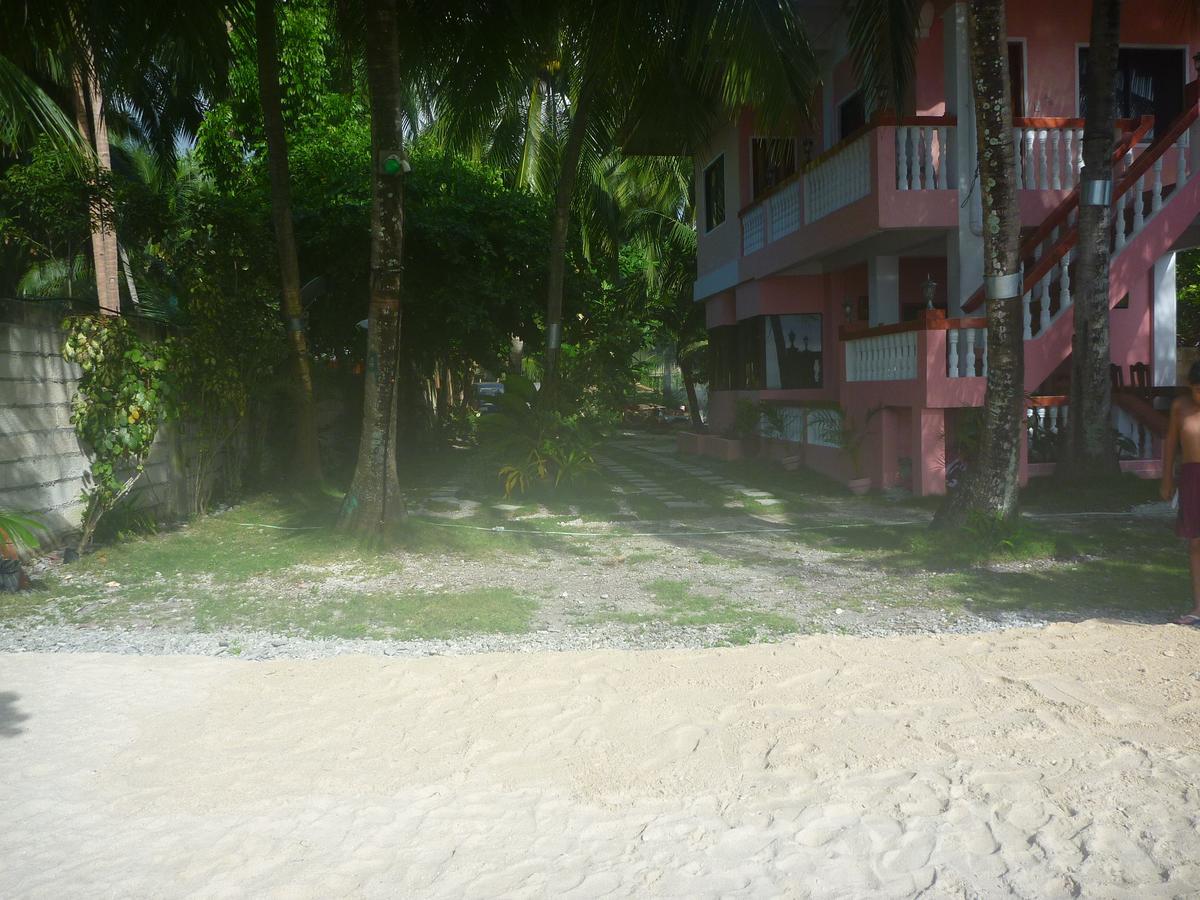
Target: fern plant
x=20, y=531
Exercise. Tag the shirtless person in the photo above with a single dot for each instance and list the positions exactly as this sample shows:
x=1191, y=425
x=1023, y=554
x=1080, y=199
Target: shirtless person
x=1184, y=432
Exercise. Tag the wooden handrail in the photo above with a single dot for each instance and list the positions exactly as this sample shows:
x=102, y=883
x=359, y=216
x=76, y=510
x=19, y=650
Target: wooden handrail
x=1066, y=122
x=1045, y=401
x=1061, y=213
x=929, y=320
x=1161, y=145
x=1137, y=407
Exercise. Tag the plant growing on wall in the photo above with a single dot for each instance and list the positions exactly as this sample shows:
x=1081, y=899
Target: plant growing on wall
x=228, y=350
x=121, y=400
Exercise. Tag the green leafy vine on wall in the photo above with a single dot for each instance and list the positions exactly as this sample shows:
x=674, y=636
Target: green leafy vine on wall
x=122, y=398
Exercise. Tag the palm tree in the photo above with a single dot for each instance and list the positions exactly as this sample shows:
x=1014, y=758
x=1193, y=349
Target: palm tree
x=585, y=77
x=308, y=460
x=991, y=487
x=374, y=500
x=153, y=62
x=1092, y=443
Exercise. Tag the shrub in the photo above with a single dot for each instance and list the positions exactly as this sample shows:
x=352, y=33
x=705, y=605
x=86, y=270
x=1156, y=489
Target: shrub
x=534, y=444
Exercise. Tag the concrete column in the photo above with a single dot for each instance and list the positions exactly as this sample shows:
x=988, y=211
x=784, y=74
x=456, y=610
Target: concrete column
x=883, y=289
x=1162, y=312
x=883, y=472
x=928, y=451
x=964, y=245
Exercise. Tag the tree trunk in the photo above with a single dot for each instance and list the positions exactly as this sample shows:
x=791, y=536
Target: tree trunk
x=308, y=460
x=990, y=489
x=374, y=501
x=689, y=385
x=130, y=284
x=568, y=170
x=1093, y=449
x=89, y=117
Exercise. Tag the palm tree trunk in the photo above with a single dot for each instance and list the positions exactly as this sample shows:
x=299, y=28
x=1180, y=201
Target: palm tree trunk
x=130, y=284
x=89, y=117
x=1093, y=448
x=560, y=225
x=308, y=460
x=689, y=385
x=991, y=486
x=374, y=501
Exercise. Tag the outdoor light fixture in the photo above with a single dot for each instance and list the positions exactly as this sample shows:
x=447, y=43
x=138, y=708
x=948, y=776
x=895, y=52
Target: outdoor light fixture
x=848, y=310
x=929, y=290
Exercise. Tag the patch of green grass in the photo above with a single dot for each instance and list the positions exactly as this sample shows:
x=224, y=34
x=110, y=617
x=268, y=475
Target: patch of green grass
x=641, y=556
x=918, y=547
x=1117, y=493
x=680, y=606
x=407, y=616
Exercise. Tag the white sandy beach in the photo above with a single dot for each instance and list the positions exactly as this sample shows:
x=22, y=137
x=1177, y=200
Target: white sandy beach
x=1040, y=763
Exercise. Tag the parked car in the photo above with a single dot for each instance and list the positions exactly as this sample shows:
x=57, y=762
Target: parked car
x=486, y=393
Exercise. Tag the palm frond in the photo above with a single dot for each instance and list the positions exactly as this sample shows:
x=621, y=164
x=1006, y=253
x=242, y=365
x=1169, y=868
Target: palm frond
x=27, y=111
x=883, y=44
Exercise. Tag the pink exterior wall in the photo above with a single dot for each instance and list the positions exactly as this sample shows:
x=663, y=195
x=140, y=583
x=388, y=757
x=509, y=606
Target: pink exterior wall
x=1053, y=30
x=720, y=310
x=724, y=243
x=930, y=92
x=1130, y=328
x=913, y=271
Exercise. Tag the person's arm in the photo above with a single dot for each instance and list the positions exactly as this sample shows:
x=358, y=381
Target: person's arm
x=1170, y=446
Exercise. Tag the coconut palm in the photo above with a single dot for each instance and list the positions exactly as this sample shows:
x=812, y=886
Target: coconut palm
x=77, y=61
x=1093, y=446
x=576, y=80
x=307, y=459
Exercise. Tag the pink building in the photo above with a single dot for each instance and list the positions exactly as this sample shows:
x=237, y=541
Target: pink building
x=820, y=249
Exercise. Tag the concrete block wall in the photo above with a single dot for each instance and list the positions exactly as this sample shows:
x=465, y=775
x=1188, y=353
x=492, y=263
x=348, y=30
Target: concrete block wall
x=42, y=465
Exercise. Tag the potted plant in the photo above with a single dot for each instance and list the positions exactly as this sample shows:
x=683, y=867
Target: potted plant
x=774, y=429
x=746, y=419
x=844, y=432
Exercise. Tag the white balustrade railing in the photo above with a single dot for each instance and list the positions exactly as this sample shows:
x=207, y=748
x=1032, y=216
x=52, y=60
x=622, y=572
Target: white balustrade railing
x=883, y=357
x=1048, y=159
x=923, y=157
x=839, y=180
x=1137, y=206
x=1047, y=419
x=966, y=352
x=784, y=211
x=1134, y=440
x=754, y=229
x=1046, y=425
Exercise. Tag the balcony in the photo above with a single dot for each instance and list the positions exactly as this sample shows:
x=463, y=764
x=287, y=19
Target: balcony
x=890, y=161
x=899, y=173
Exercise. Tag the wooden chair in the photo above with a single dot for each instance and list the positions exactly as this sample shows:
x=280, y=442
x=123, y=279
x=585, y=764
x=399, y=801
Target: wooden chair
x=1118, y=377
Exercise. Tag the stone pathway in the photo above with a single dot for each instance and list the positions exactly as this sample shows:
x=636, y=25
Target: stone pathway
x=670, y=499
x=661, y=454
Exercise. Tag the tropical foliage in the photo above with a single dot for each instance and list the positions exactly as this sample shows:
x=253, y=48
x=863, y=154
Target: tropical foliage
x=121, y=400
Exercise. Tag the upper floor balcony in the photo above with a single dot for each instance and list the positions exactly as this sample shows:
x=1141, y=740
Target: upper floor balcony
x=899, y=173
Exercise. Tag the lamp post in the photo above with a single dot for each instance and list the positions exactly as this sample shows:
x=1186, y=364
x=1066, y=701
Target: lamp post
x=929, y=290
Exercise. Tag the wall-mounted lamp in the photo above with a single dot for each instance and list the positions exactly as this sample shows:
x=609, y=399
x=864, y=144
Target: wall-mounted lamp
x=848, y=310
